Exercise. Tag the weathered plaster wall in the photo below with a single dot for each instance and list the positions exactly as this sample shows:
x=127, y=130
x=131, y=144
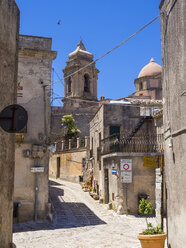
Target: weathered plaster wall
x=96, y=129
x=70, y=164
x=34, y=74
x=143, y=182
x=173, y=37
x=9, y=31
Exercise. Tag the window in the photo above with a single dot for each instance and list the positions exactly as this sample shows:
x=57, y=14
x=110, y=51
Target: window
x=99, y=139
x=115, y=131
x=69, y=86
x=114, y=138
x=86, y=83
x=140, y=86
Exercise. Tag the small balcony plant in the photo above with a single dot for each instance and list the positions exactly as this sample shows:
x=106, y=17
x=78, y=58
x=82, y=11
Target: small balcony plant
x=152, y=236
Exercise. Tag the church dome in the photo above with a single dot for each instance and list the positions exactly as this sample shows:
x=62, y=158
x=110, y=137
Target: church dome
x=81, y=51
x=151, y=69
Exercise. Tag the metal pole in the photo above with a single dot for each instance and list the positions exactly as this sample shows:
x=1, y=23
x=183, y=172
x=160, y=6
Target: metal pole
x=162, y=191
x=36, y=192
x=126, y=196
x=36, y=197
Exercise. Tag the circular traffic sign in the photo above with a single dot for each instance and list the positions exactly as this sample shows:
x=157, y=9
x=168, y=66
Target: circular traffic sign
x=13, y=118
x=126, y=166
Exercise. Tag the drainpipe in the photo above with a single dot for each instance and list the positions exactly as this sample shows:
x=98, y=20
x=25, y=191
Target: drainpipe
x=45, y=117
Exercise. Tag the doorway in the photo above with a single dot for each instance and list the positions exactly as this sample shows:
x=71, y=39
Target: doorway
x=58, y=167
x=106, y=186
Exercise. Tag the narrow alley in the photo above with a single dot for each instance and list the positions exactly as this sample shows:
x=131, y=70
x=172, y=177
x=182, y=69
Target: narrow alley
x=79, y=222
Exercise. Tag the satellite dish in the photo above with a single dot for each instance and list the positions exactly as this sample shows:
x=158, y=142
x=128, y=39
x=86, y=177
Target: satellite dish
x=13, y=118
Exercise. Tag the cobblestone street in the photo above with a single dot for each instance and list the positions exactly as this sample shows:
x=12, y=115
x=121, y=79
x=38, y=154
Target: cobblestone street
x=80, y=222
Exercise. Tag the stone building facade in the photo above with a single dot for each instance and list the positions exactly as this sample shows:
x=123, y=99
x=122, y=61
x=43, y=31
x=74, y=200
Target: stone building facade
x=69, y=160
x=34, y=79
x=80, y=101
x=148, y=84
x=173, y=29
x=80, y=92
x=113, y=125
x=9, y=31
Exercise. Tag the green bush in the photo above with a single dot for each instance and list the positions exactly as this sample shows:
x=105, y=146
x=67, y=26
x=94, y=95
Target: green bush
x=68, y=127
x=152, y=230
x=146, y=209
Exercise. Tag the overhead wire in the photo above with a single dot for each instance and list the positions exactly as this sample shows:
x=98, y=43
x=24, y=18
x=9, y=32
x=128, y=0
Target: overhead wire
x=141, y=29
x=58, y=76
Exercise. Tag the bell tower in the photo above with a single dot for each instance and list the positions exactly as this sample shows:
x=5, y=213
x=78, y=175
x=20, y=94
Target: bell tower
x=83, y=84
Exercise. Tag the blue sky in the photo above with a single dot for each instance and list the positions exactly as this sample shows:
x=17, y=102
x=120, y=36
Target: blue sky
x=102, y=24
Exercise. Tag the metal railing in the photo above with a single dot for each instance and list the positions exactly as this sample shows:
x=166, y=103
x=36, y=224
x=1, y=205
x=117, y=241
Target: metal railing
x=143, y=143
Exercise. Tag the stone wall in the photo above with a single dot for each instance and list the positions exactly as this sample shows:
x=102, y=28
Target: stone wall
x=130, y=120
x=78, y=59
x=173, y=25
x=9, y=31
x=124, y=116
x=82, y=112
x=152, y=87
x=96, y=130
x=70, y=165
x=34, y=78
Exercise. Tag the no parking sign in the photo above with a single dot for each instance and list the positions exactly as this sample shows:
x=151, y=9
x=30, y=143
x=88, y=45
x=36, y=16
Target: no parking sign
x=126, y=164
x=126, y=170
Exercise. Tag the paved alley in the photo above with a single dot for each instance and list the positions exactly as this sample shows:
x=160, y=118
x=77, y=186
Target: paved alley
x=80, y=222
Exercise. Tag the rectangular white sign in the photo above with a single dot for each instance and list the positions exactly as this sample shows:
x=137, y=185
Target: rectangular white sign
x=126, y=164
x=37, y=169
x=126, y=177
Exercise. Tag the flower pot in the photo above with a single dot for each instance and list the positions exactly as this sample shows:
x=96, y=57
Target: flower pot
x=96, y=197
x=152, y=241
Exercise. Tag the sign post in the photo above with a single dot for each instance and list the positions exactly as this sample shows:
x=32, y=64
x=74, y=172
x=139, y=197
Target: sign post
x=126, y=176
x=126, y=170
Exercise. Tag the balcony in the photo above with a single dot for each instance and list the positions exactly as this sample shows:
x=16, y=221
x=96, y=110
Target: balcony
x=143, y=143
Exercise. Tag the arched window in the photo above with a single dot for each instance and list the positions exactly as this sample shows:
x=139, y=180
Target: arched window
x=69, y=85
x=86, y=83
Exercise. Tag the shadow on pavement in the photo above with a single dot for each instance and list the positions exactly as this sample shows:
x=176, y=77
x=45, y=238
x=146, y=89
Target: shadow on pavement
x=66, y=215
x=53, y=183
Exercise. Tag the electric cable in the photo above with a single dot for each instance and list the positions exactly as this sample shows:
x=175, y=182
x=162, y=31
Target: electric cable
x=141, y=29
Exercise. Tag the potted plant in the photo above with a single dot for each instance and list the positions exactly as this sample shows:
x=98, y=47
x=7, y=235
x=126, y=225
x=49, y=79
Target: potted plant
x=153, y=236
x=96, y=197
